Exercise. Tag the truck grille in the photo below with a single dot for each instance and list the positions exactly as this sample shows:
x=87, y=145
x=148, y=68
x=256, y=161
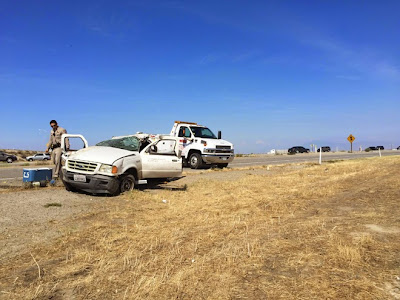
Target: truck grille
x=81, y=166
x=223, y=149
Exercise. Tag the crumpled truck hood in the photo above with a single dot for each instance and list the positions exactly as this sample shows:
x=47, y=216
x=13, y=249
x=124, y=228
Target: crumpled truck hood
x=101, y=154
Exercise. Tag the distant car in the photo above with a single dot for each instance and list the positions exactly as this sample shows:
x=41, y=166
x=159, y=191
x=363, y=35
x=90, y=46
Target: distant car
x=380, y=147
x=38, y=156
x=371, y=148
x=324, y=149
x=398, y=148
x=7, y=157
x=298, y=149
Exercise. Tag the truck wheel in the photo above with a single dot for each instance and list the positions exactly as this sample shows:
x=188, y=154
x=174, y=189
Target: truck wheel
x=221, y=166
x=127, y=183
x=185, y=163
x=195, y=161
x=9, y=160
x=69, y=187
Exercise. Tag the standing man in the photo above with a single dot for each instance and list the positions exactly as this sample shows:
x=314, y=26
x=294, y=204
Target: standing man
x=55, y=144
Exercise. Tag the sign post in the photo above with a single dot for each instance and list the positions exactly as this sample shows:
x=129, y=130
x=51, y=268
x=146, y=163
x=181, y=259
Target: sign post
x=351, y=139
x=320, y=155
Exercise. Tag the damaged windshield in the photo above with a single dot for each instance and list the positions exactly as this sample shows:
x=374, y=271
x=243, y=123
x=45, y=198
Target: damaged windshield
x=130, y=143
x=202, y=132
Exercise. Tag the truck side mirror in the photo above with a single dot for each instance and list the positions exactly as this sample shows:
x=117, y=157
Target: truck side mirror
x=219, y=134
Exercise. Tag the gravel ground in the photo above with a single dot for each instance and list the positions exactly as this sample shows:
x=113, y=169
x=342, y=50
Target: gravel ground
x=29, y=216
x=26, y=219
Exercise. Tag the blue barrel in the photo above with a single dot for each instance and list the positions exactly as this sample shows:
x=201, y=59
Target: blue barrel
x=32, y=175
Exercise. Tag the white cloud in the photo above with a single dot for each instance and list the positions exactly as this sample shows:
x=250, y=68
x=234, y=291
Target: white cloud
x=245, y=56
x=349, y=77
x=388, y=70
x=210, y=58
x=354, y=59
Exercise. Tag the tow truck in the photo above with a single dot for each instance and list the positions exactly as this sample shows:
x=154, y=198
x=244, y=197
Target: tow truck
x=200, y=146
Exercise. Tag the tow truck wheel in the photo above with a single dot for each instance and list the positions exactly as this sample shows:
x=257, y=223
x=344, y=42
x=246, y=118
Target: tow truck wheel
x=195, y=161
x=127, y=183
x=9, y=160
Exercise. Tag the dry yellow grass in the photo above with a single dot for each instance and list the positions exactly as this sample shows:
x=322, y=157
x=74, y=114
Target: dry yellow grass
x=320, y=232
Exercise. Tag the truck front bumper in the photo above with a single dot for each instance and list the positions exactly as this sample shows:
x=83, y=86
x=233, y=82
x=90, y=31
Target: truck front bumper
x=95, y=184
x=217, y=159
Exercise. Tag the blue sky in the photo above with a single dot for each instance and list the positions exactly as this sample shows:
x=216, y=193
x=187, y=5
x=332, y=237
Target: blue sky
x=269, y=74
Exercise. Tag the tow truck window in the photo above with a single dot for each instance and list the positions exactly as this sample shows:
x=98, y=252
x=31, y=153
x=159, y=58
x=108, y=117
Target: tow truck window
x=130, y=143
x=202, y=132
x=184, y=132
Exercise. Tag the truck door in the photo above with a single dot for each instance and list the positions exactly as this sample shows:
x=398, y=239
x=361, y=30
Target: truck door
x=75, y=142
x=185, y=138
x=160, y=160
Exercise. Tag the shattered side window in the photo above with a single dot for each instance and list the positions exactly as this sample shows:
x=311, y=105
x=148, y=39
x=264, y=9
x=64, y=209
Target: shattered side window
x=130, y=143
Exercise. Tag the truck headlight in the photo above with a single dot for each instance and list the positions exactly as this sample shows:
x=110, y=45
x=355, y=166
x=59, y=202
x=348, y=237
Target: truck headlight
x=106, y=169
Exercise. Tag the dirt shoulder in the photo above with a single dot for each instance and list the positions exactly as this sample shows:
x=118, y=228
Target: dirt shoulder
x=298, y=231
x=35, y=216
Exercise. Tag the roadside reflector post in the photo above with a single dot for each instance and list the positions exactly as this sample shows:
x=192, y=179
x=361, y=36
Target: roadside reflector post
x=380, y=155
x=320, y=155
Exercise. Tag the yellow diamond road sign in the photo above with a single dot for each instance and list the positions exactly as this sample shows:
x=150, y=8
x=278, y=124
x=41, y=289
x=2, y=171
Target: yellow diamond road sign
x=351, y=138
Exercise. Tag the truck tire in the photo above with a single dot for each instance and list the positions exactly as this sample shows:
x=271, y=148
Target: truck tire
x=221, y=166
x=127, y=183
x=195, y=160
x=69, y=187
x=9, y=160
x=185, y=163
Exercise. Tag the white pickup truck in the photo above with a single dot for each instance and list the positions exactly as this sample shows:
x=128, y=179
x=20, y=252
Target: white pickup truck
x=200, y=146
x=117, y=165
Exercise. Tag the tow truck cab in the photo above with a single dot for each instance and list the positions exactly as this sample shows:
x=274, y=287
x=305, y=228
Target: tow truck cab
x=200, y=146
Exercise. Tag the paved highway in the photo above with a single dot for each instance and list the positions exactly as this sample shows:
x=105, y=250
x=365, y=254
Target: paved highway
x=266, y=159
x=12, y=172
